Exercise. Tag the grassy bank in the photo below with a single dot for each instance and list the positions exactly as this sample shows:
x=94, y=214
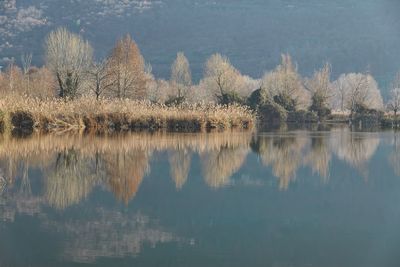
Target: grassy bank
x=30, y=114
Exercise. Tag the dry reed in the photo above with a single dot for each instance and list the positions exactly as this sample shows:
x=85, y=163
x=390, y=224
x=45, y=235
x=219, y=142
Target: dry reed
x=117, y=115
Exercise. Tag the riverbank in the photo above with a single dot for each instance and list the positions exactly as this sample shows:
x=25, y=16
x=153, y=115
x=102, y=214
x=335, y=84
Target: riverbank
x=86, y=114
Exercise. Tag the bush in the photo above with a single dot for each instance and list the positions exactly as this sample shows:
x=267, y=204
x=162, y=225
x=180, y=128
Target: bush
x=319, y=107
x=285, y=101
x=230, y=98
x=256, y=99
x=302, y=116
x=22, y=120
x=272, y=113
x=174, y=101
x=367, y=117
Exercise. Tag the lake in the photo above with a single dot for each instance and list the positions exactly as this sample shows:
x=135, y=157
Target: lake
x=321, y=197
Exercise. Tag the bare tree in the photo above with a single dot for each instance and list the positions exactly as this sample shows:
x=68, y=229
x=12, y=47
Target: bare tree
x=358, y=91
x=285, y=86
x=12, y=74
x=394, y=102
x=99, y=78
x=320, y=83
x=222, y=78
x=320, y=88
x=126, y=68
x=69, y=57
x=26, y=60
x=14, y=81
x=42, y=83
x=181, y=77
x=339, y=90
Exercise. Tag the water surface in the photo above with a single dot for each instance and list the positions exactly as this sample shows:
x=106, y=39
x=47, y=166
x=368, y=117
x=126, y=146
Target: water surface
x=286, y=198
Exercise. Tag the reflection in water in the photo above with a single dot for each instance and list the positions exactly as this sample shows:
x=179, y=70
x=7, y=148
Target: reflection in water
x=125, y=172
x=21, y=201
x=354, y=148
x=110, y=234
x=3, y=183
x=179, y=161
x=287, y=152
x=394, y=157
x=9, y=171
x=319, y=157
x=66, y=173
x=73, y=165
x=219, y=165
x=284, y=154
x=69, y=181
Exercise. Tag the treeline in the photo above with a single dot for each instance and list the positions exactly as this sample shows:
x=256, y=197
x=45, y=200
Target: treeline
x=71, y=72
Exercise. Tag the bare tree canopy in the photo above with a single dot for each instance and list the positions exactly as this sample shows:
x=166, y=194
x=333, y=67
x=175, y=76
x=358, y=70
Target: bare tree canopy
x=285, y=83
x=320, y=88
x=126, y=68
x=355, y=90
x=181, y=77
x=69, y=57
x=320, y=84
x=99, y=78
x=26, y=61
x=180, y=70
x=221, y=77
x=394, y=102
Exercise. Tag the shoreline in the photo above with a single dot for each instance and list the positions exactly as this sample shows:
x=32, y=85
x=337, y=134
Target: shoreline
x=102, y=116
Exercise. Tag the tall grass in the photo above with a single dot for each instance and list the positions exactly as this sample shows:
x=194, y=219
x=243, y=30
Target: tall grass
x=117, y=115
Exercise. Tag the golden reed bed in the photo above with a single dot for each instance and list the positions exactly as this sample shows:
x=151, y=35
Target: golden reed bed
x=118, y=115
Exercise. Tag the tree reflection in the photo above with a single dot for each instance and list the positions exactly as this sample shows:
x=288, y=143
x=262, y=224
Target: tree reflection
x=69, y=181
x=125, y=172
x=179, y=161
x=3, y=182
x=10, y=169
x=394, y=157
x=284, y=154
x=22, y=200
x=319, y=157
x=354, y=148
x=72, y=166
x=109, y=234
x=220, y=164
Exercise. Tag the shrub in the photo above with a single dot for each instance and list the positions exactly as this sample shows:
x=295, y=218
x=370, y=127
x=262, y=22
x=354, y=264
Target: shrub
x=229, y=98
x=272, y=113
x=319, y=107
x=367, y=117
x=286, y=102
x=302, y=116
x=175, y=101
x=256, y=99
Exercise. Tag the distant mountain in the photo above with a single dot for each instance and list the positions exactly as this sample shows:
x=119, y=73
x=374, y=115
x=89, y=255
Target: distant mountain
x=353, y=35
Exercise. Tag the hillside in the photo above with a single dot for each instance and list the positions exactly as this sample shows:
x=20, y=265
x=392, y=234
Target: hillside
x=353, y=35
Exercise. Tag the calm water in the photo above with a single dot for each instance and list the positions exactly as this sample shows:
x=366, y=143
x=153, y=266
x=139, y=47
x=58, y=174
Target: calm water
x=288, y=198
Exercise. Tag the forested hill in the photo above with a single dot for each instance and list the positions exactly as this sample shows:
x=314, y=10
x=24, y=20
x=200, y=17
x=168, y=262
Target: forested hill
x=353, y=35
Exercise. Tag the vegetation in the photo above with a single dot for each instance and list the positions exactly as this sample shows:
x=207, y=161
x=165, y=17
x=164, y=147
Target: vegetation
x=181, y=79
x=119, y=92
x=106, y=115
x=68, y=56
x=321, y=91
